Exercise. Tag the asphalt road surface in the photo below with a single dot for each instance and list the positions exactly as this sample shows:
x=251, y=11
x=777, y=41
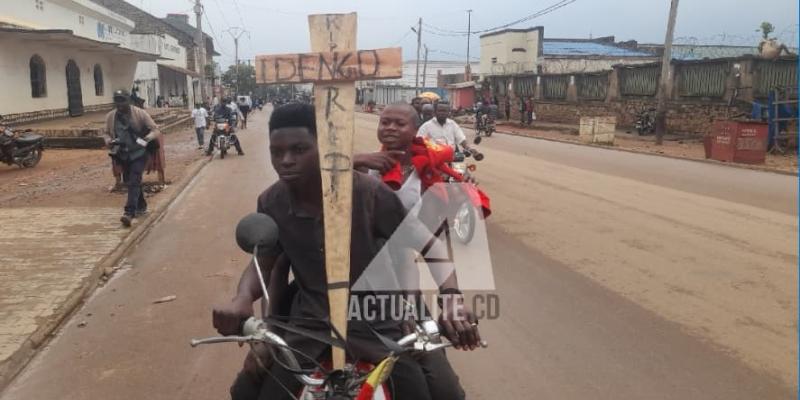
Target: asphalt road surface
x=620, y=276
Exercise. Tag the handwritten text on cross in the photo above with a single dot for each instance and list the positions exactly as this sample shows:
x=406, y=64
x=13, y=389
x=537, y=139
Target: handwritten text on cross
x=330, y=66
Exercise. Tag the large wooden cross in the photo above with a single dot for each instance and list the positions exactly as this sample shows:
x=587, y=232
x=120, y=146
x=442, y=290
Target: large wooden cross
x=333, y=67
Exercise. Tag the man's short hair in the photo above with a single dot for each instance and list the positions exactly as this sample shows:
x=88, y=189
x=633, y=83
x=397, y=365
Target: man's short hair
x=294, y=115
x=411, y=110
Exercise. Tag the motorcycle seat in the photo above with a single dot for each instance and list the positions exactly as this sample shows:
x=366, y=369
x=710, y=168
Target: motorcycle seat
x=28, y=139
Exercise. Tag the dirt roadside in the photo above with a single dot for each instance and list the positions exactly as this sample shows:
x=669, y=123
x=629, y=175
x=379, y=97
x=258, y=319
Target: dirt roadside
x=66, y=178
x=688, y=148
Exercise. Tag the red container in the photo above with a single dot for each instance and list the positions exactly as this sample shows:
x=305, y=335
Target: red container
x=751, y=142
x=735, y=141
x=722, y=137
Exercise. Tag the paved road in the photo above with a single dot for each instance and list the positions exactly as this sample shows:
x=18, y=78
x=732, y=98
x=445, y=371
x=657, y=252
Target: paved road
x=615, y=283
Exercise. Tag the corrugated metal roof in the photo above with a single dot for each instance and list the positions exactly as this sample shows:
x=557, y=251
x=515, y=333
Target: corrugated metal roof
x=583, y=48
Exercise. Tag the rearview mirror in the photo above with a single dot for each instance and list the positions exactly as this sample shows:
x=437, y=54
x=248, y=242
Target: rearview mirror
x=256, y=229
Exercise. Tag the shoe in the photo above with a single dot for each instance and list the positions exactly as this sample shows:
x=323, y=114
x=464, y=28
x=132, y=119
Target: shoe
x=126, y=220
x=241, y=153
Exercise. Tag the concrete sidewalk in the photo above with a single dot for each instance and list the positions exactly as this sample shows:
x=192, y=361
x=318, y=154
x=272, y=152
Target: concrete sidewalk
x=48, y=254
x=52, y=258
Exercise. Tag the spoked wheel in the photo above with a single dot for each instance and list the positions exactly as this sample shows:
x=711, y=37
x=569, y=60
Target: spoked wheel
x=489, y=132
x=464, y=223
x=222, y=152
x=32, y=158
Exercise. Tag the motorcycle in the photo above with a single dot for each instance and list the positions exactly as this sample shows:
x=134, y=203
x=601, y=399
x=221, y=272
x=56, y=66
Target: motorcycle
x=645, y=121
x=222, y=132
x=484, y=126
x=23, y=151
x=465, y=216
x=361, y=381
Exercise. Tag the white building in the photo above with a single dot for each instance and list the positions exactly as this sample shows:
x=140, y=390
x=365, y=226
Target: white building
x=63, y=57
x=511, y=51
x=171, y=77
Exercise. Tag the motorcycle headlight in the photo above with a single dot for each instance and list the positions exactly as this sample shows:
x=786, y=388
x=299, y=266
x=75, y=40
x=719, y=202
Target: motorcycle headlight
x=222, y=127
x=461, y=168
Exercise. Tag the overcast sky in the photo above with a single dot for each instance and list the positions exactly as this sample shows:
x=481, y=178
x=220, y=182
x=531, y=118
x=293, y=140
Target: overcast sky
x=282, y=27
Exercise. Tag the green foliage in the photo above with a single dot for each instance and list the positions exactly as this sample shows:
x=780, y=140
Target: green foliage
x=766, y=29
x=246, y=78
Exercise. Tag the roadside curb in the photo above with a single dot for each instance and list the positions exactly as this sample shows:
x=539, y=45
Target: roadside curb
x=22, y=356
x=705, y=161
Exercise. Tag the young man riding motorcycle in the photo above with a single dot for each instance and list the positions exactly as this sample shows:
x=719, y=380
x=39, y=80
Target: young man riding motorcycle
x=228, y=112
x=444, y=130
x=295, y=203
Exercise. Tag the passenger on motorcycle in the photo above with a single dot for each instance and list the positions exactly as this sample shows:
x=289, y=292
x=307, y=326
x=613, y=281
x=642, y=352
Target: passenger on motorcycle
x=444, y=130
x=228, y=112
x=295, y=203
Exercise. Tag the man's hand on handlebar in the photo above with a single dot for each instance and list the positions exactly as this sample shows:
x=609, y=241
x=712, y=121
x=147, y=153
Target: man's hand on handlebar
x=229, y=317
x=459, y=324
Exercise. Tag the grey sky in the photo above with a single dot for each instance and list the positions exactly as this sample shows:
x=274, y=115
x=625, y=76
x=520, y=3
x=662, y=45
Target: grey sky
x=282, y=27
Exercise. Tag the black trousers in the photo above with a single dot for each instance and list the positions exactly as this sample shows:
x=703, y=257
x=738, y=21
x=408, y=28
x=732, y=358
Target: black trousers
x=407, y=382
x=132, y=171
x=213, y=142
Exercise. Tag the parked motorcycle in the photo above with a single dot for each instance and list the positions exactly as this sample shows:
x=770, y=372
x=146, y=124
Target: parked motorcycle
x=24, y=151
x=361, y=381
x=646, y=121
x=222, y=130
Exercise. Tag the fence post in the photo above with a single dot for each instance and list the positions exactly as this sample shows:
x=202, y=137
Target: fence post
x=537, y=91
x=612, y=91
x=572, y=90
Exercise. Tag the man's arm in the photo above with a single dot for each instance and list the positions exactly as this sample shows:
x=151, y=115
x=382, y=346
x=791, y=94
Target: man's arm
x=228, y=318
x=460, y=137
x=381, y=161
x=147, y=120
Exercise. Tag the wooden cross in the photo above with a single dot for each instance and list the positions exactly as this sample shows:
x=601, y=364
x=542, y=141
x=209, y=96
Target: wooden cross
x=334, y=66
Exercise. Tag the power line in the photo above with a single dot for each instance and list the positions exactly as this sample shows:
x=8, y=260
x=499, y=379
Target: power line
x=222, y=14
x=216, y=38
x=544, y=11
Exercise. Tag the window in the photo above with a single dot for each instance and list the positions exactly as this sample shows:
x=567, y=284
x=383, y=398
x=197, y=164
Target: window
x=38, y=77
x=98, y=80
x=81, y=20
x=39, y=4
x=518, y=50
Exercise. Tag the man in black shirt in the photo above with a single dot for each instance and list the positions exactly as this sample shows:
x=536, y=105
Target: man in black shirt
x=295, y=203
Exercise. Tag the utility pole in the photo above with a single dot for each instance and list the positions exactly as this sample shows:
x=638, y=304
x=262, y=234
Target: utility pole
x=418, y=30
x=425, y=67
x=201, y=50
x=236, y=33
x=468, y=70
x=661, y=105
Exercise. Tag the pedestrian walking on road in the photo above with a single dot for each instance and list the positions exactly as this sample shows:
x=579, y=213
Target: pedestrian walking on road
x=133, y=139
x=200, y=116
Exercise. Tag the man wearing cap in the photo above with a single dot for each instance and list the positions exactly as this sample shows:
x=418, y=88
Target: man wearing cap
x=131, y=129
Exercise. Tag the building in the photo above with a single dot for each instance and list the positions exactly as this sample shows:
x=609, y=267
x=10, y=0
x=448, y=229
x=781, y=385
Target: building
x=511, y=51
x=63, y=58
x=174, y=77
x=571, y=56
x=527, y=51
x=404, y=89
x=181, y=22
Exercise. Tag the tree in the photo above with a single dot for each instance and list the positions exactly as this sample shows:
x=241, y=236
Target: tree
x=246, y=78
x=766, y=29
